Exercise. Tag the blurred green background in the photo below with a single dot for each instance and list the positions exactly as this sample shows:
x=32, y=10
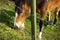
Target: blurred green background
x=7, y=31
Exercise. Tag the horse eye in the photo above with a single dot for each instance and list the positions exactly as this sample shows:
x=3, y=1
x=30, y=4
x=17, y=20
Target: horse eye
x=19, y=11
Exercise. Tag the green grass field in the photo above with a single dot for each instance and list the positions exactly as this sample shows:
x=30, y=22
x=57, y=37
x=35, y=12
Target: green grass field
x=7, y=31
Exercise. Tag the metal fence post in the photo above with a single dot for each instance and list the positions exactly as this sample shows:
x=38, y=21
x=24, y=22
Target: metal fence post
x=33, y=19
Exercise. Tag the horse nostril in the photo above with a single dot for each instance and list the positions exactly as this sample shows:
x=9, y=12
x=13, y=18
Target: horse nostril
x=21, y=28
x=19, y=25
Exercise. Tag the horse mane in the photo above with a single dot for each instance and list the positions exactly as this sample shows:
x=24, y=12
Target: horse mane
x=19, y=4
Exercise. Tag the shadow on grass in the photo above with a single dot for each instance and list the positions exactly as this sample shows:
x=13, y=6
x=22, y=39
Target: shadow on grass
x=4, y=18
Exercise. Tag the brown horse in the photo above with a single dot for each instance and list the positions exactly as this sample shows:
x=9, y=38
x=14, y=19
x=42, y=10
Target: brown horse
x=23, y=8
x=22, y=12
x=44, y=7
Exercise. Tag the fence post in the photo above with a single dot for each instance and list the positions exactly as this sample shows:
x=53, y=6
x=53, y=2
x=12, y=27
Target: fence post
x=33, y=19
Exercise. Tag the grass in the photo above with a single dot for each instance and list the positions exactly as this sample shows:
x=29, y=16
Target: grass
x=7, y=31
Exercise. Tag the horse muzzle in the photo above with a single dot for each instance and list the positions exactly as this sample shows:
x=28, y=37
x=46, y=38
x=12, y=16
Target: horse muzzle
x=19, y=25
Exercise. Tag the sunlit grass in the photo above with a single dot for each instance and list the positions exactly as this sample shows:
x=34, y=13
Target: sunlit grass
x=7, y=31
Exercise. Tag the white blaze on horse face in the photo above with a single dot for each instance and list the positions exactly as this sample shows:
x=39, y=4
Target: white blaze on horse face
x=15, y=19
x=40, y=36
x=19, y=24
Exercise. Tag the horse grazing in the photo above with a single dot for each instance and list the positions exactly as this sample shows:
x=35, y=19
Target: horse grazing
x=22, y=12
x=23, y=9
